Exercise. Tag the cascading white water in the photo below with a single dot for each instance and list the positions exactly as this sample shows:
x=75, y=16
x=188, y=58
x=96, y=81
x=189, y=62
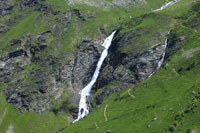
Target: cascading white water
x=83, y=107
x=163, y=56
x=167, y=5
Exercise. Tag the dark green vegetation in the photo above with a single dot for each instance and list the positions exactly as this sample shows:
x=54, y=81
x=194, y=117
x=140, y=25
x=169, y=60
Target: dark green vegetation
x=169, y=101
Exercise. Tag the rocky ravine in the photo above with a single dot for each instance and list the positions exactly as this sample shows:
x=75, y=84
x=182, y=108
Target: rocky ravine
x=123, y=69
x=36, y=76
x=28, y=67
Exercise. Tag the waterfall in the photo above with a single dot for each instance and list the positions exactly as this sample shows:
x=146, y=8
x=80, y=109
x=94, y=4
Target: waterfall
x=166, y=5
x=163, y=56
x=85, y=92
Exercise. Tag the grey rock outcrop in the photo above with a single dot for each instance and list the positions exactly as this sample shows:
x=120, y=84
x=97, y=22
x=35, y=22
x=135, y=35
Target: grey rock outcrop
x=5, y=7
x=85, y=64
x=73, y=71
x=36, y=78
x=128, y=68
x=36, y=74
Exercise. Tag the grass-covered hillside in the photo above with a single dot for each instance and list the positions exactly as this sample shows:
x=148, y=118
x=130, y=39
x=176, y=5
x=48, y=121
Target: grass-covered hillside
x=42, y=41
x=169, y=101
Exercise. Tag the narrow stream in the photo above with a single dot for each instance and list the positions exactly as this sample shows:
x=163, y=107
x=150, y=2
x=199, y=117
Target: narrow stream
x=167, y=5
x=85, y=92
x=163, y=56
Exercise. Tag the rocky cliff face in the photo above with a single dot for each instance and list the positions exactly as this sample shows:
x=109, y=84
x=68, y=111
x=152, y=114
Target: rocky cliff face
x=85, y=64
x=49, y=50
x=128, y=68
x=6, y=7
x=36, y=76
x=32, y=88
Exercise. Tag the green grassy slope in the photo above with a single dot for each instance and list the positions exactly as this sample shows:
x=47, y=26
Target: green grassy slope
x=164, y=91
x=110, y=20
x=31, y=22
x=169, y=101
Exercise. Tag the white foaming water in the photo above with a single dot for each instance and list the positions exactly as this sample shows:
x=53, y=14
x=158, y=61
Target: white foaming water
x=167, y=5
x=163, y=57
x=83, y=107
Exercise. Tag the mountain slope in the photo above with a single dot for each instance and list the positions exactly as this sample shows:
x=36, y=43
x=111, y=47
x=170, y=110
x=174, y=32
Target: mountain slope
x=166, y=102
x=49, y=50
x=39, y=42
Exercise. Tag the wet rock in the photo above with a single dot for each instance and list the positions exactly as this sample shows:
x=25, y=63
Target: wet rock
x=132, y=68
x=74, y=112
x=85, y=64
x=128, y=68
x=108, y=131
x=107, y=91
